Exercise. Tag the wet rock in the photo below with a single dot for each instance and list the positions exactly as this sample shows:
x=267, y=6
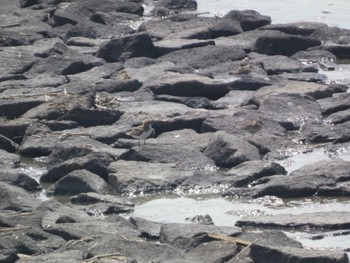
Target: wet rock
x=16, y=199
x=228, y=150
x=136, y=178
x=339, y=102
x=149, y=229
x=92, y=198
x=341, y=51
x=103, y=209
x=283, y=44
x=249, y=19
x=95, y=163
x=79, y=181
x=315, y=56
x=9, y=159
x=317, y=220
x=14, y=129
x=250, y=171
x=317, y=133
x=122, y=48
x=19, y=179
x=200, y=219
x=7, y=144
x=178, y=5
x=304, y=181
x=339, y=117
x=330, y=34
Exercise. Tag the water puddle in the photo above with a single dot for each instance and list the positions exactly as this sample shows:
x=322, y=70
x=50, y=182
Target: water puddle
x=340, y=75
x=224, y=212
x=299, y=159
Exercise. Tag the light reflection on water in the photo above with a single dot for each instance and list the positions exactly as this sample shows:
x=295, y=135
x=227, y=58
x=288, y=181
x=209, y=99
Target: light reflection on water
x=175, y=209
x=333, y=13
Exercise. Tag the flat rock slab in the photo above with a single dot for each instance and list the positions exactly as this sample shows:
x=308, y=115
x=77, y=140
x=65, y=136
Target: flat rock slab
x=134, y=177
x=181, y=156
x=292, y=254
x=317, y=221
x=169, y=45
x=187, y=85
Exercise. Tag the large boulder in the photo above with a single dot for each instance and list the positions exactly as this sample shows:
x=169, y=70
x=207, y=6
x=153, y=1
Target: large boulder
x=79, y=181
x=123, y=48
x=249, y=19
x=228, y=150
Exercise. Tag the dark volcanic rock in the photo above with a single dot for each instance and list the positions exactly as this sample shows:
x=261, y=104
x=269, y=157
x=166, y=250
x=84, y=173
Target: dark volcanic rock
x=95, y=163
x=123, y=48
x=16, y=199
x=318, y=220
x=228, y=150
x=182, y=155
x=189, y=85
x=7, y=144
x=290, y=110
x=19, y=179
x=306, y=180
x=92, y=198
x=283, y=44
x=249, y=19
x=249, y=171
x=187, y=236
x=79, y=181
x=203, y=57
x=178, y=4
x=64, y=61
x=137, y=178
x=297, y=28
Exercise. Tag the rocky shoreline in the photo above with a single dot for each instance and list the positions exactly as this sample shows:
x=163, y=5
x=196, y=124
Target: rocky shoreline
x=228, y=97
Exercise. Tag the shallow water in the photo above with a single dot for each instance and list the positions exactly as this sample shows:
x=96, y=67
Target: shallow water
x=331, y=12
x=176, y=209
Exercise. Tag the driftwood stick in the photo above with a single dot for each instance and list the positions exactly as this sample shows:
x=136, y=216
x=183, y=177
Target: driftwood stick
x=241, y=252
x=230, y=239
x=10, y=229
x=115, y=255
x=10, y=25
x=33, y=95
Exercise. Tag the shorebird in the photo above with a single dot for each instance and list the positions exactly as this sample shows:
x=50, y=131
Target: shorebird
x=142, y=132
